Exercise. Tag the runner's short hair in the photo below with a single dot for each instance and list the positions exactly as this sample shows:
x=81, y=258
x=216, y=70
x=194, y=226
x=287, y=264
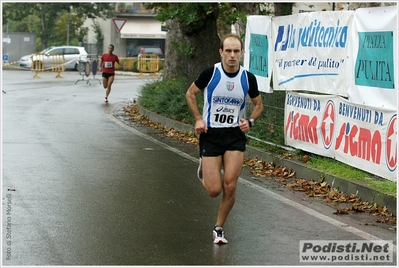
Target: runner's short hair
x=229, y=36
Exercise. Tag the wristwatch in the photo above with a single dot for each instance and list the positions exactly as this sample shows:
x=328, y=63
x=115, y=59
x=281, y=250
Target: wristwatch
x=251, y=122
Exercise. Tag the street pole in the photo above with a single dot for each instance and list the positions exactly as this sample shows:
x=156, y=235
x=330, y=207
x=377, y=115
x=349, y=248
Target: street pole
x=69, y=11
x=119, y=43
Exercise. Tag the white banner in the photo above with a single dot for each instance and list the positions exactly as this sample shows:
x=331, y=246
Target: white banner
x=375, y=65
x=360, y=136
x=311, y=52
x=257, y=53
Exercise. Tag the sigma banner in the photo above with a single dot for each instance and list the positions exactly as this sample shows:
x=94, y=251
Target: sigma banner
x=311, y=52
x=376, y=50
x=357, y=135
x=257, y=53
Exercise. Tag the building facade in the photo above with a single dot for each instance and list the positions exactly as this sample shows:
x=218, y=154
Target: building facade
x=16, y=45
x=140, y=29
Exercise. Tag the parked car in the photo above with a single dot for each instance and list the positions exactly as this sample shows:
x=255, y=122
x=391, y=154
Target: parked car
x=72, y=54
x=146, y=50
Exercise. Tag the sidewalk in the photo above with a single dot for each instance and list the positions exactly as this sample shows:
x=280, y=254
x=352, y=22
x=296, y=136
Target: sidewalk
x=302, y=170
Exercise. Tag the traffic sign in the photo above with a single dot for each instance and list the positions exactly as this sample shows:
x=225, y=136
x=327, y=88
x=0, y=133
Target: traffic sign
x=5, y=58
x=119, y=23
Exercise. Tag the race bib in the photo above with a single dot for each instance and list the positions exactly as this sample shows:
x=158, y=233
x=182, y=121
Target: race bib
x=108, y=64
x=224, y=114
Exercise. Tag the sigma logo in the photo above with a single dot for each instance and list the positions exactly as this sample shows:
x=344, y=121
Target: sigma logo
x=391, y=144
x=327, y=124
x=359, y=142
x=302, y=127
x=230, y=86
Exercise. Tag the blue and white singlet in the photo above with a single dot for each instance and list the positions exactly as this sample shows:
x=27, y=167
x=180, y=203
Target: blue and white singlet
x=224, y=98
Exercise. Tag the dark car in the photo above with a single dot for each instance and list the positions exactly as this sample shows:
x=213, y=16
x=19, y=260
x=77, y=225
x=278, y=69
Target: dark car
x=146, y=50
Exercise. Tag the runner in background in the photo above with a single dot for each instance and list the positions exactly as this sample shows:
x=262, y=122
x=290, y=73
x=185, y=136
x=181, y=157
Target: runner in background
x=107, y=66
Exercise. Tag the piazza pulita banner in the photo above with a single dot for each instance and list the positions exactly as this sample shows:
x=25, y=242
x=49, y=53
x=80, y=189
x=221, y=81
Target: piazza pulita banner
x=257, y=53
x=376, y=61
x=355, y=134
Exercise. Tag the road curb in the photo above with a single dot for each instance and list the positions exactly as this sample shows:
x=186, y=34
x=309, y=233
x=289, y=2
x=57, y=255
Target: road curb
x=302, y=170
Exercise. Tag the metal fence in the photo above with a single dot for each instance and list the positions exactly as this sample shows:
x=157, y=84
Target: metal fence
x=269, y=128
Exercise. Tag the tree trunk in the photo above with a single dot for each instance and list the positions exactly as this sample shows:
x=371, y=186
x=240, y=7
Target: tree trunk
x=206, y=53
x=175, y=63
x=205, y=41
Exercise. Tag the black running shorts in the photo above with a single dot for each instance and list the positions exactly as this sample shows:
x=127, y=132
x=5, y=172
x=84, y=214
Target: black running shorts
x=219, y=140
x=107, y=75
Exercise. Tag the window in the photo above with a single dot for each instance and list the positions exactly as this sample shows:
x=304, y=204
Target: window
x=70, y=51
x=55, y=51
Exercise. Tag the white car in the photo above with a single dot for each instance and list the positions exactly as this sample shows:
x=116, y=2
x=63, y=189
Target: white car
x=72, y=54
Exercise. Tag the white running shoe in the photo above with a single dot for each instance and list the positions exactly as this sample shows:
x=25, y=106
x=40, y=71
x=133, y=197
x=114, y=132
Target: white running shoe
x=218, y=235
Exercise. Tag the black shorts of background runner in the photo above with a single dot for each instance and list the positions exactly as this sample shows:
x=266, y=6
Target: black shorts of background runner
x=107, y=75
x=219, y=140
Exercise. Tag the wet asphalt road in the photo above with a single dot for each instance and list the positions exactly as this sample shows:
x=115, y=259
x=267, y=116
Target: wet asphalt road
x=81, y=188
